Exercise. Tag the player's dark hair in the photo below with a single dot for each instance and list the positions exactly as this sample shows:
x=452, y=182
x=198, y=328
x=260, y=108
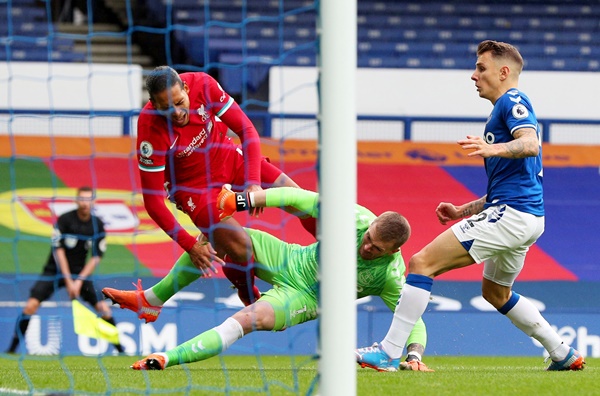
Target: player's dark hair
x=499, y=49
x=85, y=189
x=393, y=227
x=161, y=78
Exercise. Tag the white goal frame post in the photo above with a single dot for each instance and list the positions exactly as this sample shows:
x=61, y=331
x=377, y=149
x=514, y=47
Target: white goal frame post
x=337, y=30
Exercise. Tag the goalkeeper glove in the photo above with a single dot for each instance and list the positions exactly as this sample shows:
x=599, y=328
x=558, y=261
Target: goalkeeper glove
x=414, y=365
x=413, y=362
x=229, y=202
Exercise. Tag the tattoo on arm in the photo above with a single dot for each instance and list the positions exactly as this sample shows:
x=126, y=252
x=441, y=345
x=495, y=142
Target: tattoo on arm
x=473, y=207
x=515, y=148
x=525, y=144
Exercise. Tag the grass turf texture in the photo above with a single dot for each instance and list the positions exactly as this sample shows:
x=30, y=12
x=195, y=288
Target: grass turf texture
x=284, y=375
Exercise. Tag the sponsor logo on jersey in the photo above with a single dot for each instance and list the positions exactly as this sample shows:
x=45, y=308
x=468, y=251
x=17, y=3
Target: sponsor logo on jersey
x=146, y=149
x=196, y=142
x=519, y=111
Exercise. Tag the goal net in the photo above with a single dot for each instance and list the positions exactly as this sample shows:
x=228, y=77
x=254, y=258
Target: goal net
x=74, y=78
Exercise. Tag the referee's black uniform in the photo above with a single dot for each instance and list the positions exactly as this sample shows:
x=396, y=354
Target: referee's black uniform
x=77, y=238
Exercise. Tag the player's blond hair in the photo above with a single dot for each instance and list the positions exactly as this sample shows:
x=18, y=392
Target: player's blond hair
x=499, y=49
x=393, y=227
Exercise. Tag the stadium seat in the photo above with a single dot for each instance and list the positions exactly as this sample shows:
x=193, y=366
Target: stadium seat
x=233, y=80
x=27, y=37
x=412, y=34
x=40, y=55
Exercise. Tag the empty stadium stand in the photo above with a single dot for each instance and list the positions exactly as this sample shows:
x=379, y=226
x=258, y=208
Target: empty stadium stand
x=27, y=35
x=552, y=35
x=225, y=34
x=31, y=30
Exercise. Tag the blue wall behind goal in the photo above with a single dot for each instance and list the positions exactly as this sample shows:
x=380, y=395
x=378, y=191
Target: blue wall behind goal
x=459, y=322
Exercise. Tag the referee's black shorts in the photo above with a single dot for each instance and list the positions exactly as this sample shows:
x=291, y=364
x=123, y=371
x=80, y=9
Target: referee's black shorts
x=45, y=287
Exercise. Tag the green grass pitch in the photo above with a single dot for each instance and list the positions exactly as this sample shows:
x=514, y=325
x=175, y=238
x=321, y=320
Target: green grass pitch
x=285, y=375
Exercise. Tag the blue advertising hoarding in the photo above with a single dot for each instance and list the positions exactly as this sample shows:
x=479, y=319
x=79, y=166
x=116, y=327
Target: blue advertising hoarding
x=458, y=321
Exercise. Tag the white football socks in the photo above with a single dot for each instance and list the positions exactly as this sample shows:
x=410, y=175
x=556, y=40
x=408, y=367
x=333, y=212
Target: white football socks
x=152, y=299
x=528, y=319
x=230, y=331
x=411, y=305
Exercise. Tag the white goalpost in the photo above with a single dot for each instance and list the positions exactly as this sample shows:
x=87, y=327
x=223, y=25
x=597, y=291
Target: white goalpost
x=337, y=185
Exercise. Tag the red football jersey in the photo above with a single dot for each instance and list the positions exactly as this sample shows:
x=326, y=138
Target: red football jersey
x=188, y=153
x=195, y=154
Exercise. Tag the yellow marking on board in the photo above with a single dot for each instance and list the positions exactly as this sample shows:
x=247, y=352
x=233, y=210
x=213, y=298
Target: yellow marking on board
x=15, y=215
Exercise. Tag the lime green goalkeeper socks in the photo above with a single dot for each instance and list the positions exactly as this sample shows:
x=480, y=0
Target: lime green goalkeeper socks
x=182, y=274
x=201, y=347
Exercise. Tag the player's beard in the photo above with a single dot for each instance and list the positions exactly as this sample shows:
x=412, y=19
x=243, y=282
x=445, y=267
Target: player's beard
x=84, y=212
x=364, y=254
x=181, y=121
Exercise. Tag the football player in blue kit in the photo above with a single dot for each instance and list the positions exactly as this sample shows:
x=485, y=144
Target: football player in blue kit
x=496, y=229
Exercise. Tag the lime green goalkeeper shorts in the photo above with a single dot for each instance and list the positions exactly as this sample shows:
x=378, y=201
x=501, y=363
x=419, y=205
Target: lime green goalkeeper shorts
x=292, y=270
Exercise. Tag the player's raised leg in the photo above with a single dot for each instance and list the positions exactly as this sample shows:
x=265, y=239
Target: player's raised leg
x=279, y=179
x=134, y=300
x=148, y=303
x=233, y=243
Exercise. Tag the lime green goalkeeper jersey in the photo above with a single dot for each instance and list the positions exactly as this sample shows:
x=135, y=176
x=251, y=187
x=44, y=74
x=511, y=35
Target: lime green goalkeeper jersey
x=286, y=265
x=382, y=277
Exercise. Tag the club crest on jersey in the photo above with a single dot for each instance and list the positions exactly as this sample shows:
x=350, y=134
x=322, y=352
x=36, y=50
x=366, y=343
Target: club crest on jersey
x=519, y=111
x=364, y=278
x=146, y=149
x=202, y=113
x=191, y=204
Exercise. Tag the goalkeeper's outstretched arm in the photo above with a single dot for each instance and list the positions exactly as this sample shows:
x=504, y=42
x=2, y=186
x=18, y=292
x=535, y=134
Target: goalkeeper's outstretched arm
x=304, y=201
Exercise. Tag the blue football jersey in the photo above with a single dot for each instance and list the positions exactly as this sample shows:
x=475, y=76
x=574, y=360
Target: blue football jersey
x=514, y=182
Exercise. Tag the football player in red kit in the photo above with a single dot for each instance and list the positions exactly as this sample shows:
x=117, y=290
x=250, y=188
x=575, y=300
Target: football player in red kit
x=183, y=147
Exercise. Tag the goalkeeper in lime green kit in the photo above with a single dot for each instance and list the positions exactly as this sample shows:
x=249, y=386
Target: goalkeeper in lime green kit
x=293, y=270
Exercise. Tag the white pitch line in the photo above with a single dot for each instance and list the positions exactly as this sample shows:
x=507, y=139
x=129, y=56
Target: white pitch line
x=8, y=391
